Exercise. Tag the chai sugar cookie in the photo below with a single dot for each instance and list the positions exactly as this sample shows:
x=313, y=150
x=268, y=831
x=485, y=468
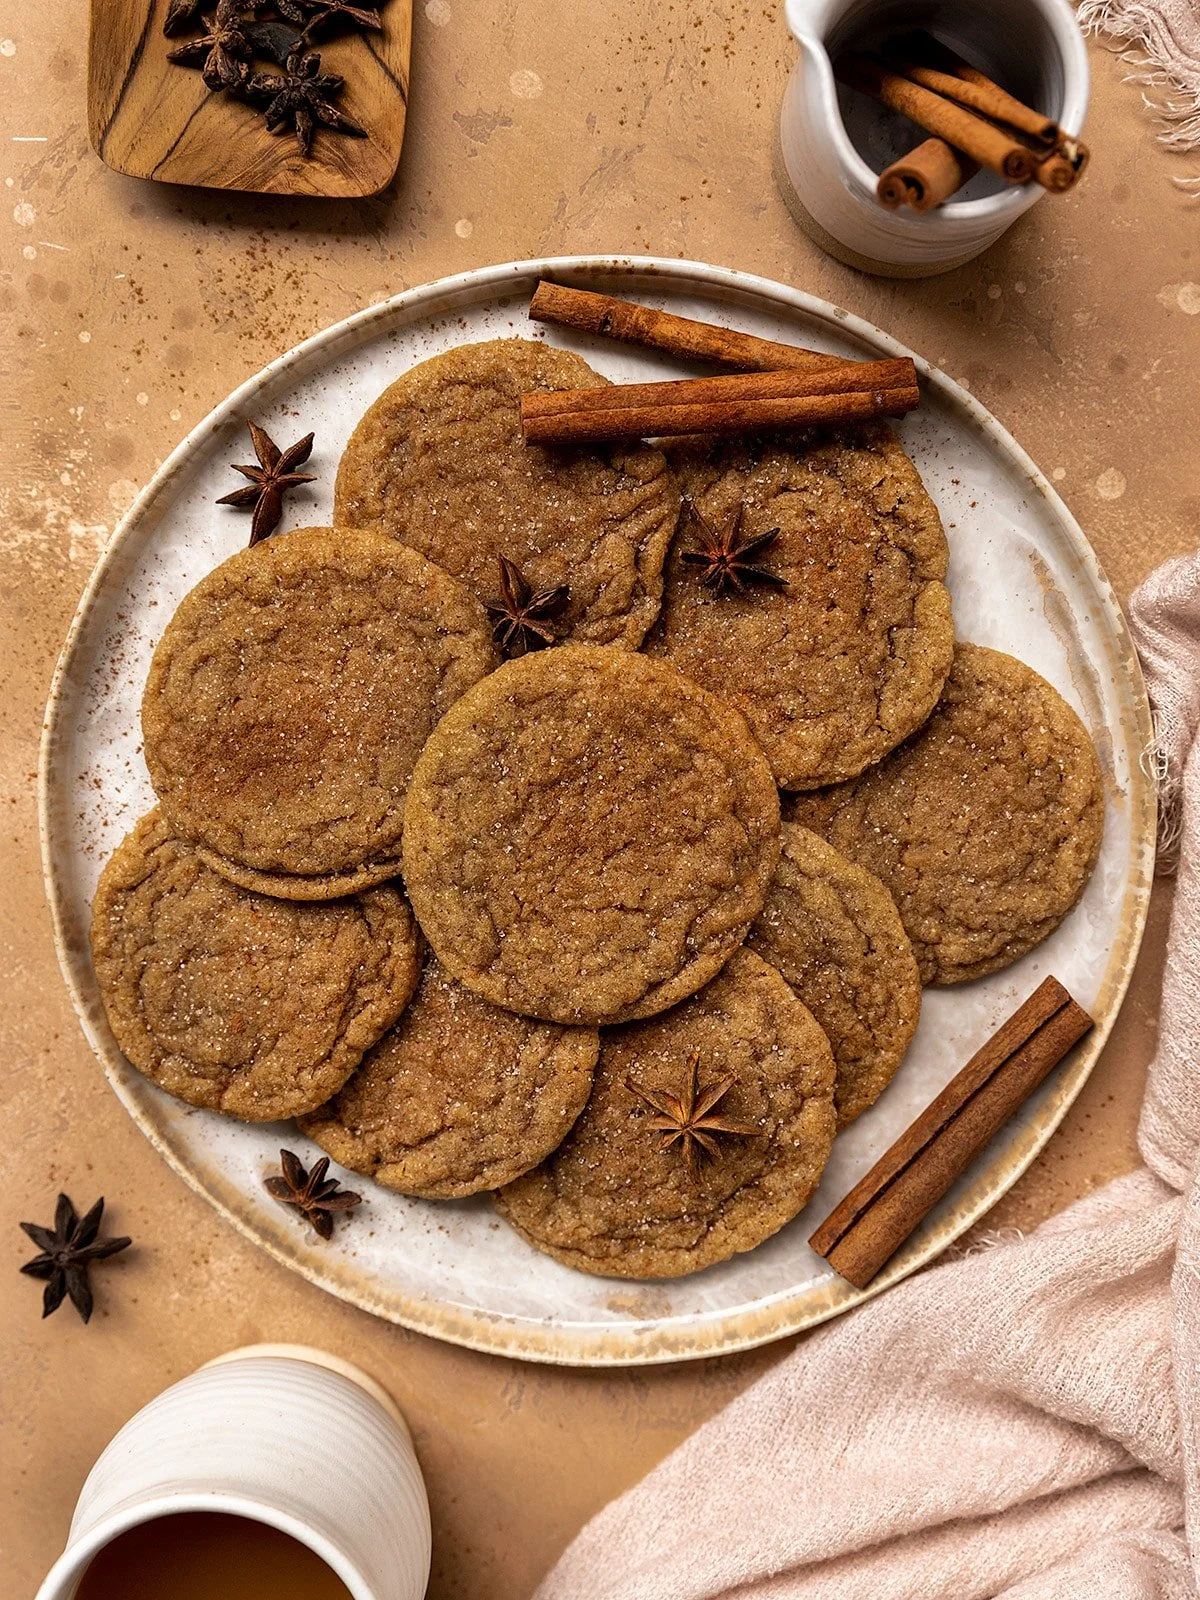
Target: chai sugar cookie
x=288, y=700
x=589, y=836
x=708, y=1128
x=256, y=1007
x=984, y=827
x=833, y=931
x=460, y=1095
x=439, y=463
x=837, y=649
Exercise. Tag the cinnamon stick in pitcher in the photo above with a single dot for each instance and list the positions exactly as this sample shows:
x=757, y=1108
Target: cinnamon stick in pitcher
x=1063, y=167
x=967, y=86
x=1060, y=157
x=925, y=176
x=852, y=391
x=991, y=146
x=613, y=318
x=862, y=1233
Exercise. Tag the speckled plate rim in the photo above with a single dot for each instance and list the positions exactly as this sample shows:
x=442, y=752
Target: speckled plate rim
x=650, y=1341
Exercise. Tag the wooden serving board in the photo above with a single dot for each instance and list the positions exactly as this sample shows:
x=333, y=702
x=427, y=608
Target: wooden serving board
x=151, y=118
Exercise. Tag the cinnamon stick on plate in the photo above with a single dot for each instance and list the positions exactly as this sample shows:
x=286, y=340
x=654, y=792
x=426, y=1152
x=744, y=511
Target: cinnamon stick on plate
x=851, y=391
x=991, y=146
x=925, y=176
x=877, y=1216
x=661, y=330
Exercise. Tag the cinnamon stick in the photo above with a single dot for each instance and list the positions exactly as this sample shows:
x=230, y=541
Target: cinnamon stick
x=969, y=87
x=992, y=147
x=925, y=176
x=613, y=318
x=878, y=1215
x=1063, y=167
x=852, y=391
x=1060, y=156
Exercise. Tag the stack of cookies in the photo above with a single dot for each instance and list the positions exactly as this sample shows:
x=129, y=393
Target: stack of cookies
x=535, y=925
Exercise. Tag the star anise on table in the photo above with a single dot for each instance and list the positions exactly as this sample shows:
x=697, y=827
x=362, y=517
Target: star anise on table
x=690, y=1117
x=270, y=480
x=520, y=617
x=223, y=53
x=67, y=1252
x=726, y=556
x=301, y=99
x=317, y=16
x=317, y=1198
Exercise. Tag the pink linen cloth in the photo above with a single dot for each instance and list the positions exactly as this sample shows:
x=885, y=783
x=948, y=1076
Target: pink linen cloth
x=1020, y=1422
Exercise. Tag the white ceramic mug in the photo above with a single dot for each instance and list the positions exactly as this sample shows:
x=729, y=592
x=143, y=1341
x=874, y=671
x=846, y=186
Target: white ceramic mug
x=283, y=1435
x=1033, y=46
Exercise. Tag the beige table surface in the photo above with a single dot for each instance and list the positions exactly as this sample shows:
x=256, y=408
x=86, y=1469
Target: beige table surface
x=536, y=126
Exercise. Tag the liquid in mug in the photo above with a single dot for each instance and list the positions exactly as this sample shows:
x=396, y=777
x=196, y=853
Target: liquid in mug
x=205, y=1555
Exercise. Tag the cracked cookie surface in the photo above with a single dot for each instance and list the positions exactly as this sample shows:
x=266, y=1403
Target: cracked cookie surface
x=291, y=693
x=833, y=931
x=589, y=836
x=613, y=1200
x=255, y=1007
x=439, y=462
x=460, y=1095
x=984, y=827
x=837, y=668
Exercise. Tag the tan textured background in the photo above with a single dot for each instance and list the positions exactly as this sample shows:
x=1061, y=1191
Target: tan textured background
x=129, y=309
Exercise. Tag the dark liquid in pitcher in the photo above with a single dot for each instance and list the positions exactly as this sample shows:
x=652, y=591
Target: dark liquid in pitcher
x=202, y=1555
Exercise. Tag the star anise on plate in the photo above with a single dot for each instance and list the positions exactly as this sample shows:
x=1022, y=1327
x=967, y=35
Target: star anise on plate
x=67, y=1252
x=301, y=99
x=690, y=1117
x=317, y=1198
x=270, y=480
x=726, y=556
x=223, y=53
x=520, y=618
x=317, y=16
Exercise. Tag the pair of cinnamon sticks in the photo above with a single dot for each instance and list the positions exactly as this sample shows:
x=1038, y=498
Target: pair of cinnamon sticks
x=974, y=123
x=863, y=1232
x=779, y=385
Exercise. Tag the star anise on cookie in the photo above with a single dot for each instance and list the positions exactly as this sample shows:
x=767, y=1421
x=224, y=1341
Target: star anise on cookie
x=726, y=556
x=270, y=480
x=301, y=99
x=67, y=1253
x=520, y=618
x=223, y=53
x=690, y=1117
x=317, y=1198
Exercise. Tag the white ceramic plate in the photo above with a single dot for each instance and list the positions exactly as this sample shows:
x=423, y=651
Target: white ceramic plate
x=1023, y=579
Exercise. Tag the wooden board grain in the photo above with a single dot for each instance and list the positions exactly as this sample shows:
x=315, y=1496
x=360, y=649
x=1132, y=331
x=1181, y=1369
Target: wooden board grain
x=150, y=118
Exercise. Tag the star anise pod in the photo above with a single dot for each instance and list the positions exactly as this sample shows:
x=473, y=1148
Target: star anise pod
x=317, y=16
x=67, y=1252
x=316, y=1197
x=690, y=1117
x=301, y=99
x=223, y=53
x=520, y=617
x=181, y=15
x=727, y=557
x=270, y=480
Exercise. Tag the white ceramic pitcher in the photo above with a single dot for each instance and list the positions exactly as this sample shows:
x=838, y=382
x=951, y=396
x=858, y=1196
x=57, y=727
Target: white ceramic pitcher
x=281, y=1434
x=832, y=145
